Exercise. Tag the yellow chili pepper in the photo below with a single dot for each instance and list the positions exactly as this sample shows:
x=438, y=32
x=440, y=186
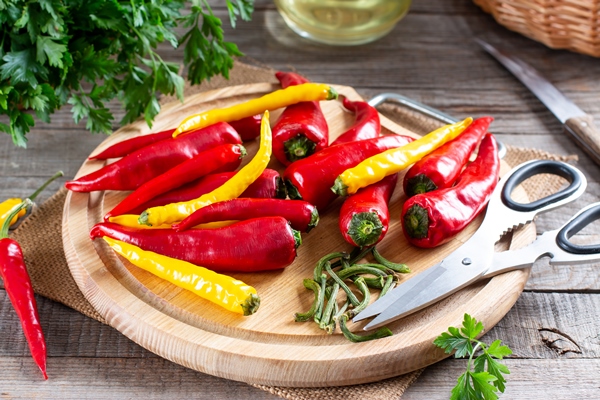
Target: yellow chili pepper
x=271, y=101
x=131, y=221
x=225, y=291
x=7, y=205
x=231, y=189
x=375, y=168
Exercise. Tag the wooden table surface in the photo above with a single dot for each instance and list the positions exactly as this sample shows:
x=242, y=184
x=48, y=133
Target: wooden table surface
x=554, y=328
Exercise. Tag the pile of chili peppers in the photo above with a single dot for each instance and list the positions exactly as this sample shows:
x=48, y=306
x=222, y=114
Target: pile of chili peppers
x=17, y=283
x=187, y=188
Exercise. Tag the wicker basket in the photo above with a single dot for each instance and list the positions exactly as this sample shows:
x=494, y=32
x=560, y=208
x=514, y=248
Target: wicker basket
x=560, y=24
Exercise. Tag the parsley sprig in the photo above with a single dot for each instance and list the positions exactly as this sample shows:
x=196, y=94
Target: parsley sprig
x=87, y=53
x=484, y=375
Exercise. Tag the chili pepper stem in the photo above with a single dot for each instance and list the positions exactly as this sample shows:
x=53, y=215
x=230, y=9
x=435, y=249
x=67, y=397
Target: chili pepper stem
x=311, y=285
x=396, y=267
x=418, y=184
x=378, y=334
x=339, y=187
x=45, y=185
x=292, y=191
x=251, y=304
x=351, y=296
x=314, y=219
x=298, y=147
x=15, y=211
x=321, y=298
x=365, y=228
x=364, y=289
x=416, y=222
x=328, y=312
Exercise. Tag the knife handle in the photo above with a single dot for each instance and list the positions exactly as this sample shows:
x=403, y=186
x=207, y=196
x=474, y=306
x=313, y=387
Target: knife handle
x=585, y=133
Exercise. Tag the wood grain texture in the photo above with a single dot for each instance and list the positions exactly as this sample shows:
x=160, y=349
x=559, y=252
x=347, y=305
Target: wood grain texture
x=267, y=348
x=430, y=57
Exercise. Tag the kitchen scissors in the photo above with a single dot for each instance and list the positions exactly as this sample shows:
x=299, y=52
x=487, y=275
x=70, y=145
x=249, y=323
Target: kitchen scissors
x=476, y=258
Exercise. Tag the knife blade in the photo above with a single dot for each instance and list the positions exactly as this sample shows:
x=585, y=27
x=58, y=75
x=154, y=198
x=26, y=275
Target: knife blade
x=575, y=121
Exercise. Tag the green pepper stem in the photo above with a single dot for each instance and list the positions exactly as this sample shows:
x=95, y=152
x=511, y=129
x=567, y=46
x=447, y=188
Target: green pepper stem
x=143, y=218
x=314, y=219
x=328, y=312
x=325, y=259
x=297, y=238
x=298, y=147
x=321, y=299
x=364, y=289
x=365, y=228
x=351, y=296
x=311, y=285
x=251, y=304
x=280, y=190
x=360, y=269
x=416, y=222
x=13, y=213
x=339, y=187
x=401, y=268
x=292, y=191
x=332, y=94
x=45, y=185
x=389, y=283
x=243, y=152
x=419, y=184
x=378, y=334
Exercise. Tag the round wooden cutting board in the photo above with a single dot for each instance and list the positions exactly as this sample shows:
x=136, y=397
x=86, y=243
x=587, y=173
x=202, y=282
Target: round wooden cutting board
x=269, y=347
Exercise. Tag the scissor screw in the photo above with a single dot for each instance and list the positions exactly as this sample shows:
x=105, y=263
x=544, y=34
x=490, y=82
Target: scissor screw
x=466, y=261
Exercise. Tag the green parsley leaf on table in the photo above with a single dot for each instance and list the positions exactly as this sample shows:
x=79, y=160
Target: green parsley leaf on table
x=88, y=53
x=486, y=378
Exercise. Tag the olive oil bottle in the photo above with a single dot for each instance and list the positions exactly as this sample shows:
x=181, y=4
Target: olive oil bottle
x=342, y=22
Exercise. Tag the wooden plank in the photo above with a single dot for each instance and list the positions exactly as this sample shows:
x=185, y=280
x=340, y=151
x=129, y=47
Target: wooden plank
x=102, y=378
x=532, y=379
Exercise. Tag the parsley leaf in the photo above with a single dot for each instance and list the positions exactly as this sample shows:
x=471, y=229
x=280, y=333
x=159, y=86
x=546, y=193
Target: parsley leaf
x=89, y=53
x=481, y=382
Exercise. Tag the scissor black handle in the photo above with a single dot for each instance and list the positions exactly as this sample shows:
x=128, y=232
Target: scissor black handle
x=575, y=225
x=535, y=168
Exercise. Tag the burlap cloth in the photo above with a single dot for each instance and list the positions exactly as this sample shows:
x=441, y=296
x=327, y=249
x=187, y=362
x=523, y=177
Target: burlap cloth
x=40, y=236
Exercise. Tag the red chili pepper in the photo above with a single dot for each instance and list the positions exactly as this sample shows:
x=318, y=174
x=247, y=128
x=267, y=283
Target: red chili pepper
x=311, y=179
x=257, y=244
x=365, y=216
x=131, y=171
x=125, y=147
x=433, y=218
x=248, y=128
x=20, y=292
x=440, y=168
x=366, y=123
x=301, y=215
x=268, y=185
x=301, y=130
x=226, y=156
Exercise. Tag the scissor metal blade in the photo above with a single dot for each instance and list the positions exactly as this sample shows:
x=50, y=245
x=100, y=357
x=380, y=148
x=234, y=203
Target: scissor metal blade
x=465, y=265
x=409, y=288
x=453, y=279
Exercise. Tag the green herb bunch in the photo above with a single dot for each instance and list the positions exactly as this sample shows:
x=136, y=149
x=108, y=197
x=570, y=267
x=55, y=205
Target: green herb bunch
x=89, y=52
x=481, y=382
